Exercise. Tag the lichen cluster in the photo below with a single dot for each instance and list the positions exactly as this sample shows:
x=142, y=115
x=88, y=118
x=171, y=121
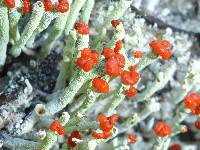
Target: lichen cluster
x=119, y=80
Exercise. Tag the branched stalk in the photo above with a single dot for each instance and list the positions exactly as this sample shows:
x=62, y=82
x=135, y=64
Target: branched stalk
x=44, y=23
x=90, y=98
x=87, y=9
x=191, y=80
x=117, y=98
x=56, y=31
x=162, y=79
x=68, y=94
x=116, y=13
x=91, y=144
x=4, y=34
x=51, y=137
x=36, y=16
x=75, y=8
x=83, y=126
x=64, y=74
x=119, y=95
x=161, y=143
x=17, y=143
x=150, y=107
x=14, y=17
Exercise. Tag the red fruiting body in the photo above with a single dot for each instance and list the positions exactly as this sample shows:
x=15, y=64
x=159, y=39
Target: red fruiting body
x=167, y=54
x=48, y=5
x=121, y=60
x=82, y=28
x=175, y=147
x=108, y=52
x=63, y=6
x=26, y=6
x=129, y=78
x=115, y=23
x=165, y=44
x=95, y=57
x=88, y=65
x=133, y=68
x=100, y=85
x=161, y=48
x=192, y=102
x=138, y=54
x=132, y=138
x=106, y=126
x=112, y=67
x=113, y=119
x=103, y=135
x=102, y=119
x=156, y=45
x=80, y=62
x=196, y=110
x=132, y=91
x=197, y=124
x=162, y=129
x=87, y=60
x=106, y=134
x=118, y=46
x=74, y=134
x=97, y=135
x=9, y=3
x=86, y=53
x=56, y=126
x=70, y=143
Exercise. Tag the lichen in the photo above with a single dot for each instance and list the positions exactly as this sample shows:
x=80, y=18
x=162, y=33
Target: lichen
x=86, y=74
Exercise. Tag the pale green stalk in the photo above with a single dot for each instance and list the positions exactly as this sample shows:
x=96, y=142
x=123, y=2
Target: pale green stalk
x=4, y=34
x=73, y=15
x=36, y=16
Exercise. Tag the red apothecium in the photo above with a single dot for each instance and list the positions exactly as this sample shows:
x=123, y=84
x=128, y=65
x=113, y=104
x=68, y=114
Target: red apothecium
x=82, y=28
x=100, y=85
x=115, y=23
x=9, y=3
x=56, y=126
x=161, y=48
x=162, y=129
x=132, y=138
x=70, y=142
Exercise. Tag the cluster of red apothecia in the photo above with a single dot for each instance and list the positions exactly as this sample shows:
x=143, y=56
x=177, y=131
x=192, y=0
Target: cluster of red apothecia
x=161, y=48
x=25, y=8
x=57, y=127
x=162, y=129
x=137, y=54
x=62, y=6
x=192, y=102
x=132, y=138
x=87, y=60
x=106, y=124
x=82, y=28
x=114, y=63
